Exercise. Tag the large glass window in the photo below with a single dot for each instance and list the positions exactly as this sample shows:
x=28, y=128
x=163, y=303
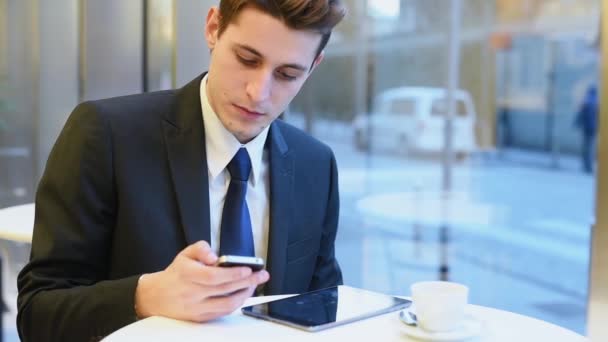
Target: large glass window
x=508, y=211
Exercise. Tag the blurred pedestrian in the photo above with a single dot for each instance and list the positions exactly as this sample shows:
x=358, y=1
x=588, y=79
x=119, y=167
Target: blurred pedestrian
x=587, y=121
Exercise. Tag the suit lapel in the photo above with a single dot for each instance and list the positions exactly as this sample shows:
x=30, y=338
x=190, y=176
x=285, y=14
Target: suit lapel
x=185, y=140
x=281, y=208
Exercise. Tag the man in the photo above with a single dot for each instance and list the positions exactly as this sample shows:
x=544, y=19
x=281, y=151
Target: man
x=129, y=212
x=586, y=120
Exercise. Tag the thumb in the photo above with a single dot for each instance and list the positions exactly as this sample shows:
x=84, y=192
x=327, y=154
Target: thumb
x=200, y=251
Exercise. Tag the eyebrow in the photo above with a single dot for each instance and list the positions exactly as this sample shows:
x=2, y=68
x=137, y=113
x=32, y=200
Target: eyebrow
x=258, y=54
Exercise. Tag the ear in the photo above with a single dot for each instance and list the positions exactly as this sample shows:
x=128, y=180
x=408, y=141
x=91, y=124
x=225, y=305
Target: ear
x=317, y=60
x=212, y=27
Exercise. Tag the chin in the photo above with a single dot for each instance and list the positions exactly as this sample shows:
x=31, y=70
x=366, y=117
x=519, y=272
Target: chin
x=250, y=135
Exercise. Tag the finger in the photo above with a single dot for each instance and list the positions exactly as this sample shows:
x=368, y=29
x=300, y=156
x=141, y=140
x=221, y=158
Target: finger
x=227, y=304
x=214, y=307
x=253, y=280
x=213, y=275
x=193, y=271
x=200, y=251
x=209, y=259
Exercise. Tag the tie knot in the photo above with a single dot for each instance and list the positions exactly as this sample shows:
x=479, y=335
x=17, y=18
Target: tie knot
x=240, y=165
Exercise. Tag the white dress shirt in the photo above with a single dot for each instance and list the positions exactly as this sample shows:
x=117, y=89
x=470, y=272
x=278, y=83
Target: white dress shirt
x=221, y=146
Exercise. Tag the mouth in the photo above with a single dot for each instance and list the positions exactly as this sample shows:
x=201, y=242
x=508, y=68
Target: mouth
x=247, y=112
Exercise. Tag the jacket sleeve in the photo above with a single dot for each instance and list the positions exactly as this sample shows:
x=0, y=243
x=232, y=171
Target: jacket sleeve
x=327, y=271
x=64, y=291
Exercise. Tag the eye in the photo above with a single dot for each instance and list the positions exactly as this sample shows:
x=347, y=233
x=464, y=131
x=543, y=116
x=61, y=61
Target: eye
x=246, y=61
x=286, y=76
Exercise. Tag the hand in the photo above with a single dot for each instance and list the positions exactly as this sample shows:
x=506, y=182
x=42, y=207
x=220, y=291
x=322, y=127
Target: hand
x=192, y=288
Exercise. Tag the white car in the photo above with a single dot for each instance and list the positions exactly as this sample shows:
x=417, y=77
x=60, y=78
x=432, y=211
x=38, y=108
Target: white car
x=412, y=119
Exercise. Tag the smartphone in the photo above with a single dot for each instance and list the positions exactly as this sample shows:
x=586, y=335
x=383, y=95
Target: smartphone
x=254, y=263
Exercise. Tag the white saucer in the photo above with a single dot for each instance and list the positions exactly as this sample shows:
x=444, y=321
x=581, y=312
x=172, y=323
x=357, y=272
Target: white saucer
x=471, y=327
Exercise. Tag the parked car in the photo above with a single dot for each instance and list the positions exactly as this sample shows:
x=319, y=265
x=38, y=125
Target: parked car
x=412, y=119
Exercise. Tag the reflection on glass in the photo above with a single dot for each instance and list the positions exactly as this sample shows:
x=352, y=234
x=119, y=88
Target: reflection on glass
x=384, y=9
x=17, y=110
x=318, y=308
x=160, y=34
x=516, y=224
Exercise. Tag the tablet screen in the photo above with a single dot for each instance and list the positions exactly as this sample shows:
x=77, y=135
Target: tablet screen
x=327, y=307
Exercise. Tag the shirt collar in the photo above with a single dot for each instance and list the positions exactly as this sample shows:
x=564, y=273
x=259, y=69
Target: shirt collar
x=221, y=145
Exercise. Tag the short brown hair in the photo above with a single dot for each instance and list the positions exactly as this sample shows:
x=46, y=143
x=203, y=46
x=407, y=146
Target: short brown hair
x=316, y=15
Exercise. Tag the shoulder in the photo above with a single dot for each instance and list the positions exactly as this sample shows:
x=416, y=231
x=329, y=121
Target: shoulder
x=303, y=143
x=131, y=105
x=131, y=112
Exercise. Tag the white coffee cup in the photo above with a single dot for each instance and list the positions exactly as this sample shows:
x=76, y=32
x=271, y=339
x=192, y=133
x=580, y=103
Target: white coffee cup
x=440, y=305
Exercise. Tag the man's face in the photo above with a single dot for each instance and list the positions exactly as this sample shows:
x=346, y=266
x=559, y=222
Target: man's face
x=257, y=67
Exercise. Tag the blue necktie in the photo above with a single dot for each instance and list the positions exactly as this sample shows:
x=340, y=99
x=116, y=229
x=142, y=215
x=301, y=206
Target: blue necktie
x=236, y=237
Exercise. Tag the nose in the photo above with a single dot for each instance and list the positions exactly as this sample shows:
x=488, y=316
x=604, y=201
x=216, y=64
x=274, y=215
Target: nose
x=259, y=86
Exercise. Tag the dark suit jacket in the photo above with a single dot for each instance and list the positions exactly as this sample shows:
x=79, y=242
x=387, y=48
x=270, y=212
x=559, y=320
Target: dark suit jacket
x=126, y=188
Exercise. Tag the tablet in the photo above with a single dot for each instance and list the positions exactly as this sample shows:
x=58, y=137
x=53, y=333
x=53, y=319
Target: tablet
x=326, y=308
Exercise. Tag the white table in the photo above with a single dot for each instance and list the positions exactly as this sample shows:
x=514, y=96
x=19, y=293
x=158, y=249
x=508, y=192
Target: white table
x=497, y=326
x=17, y=223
